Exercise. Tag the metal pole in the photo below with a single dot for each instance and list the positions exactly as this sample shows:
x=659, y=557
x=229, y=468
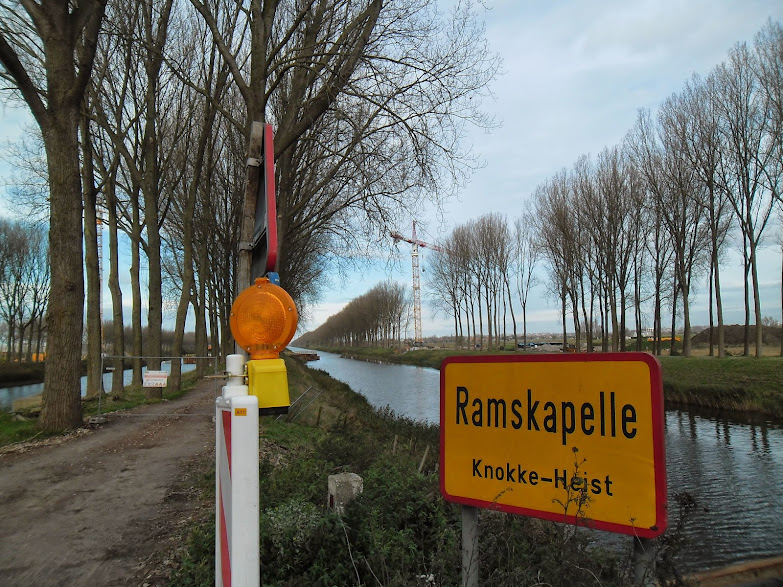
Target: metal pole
x=469, y=546
x=643, y=562
x=101, y=391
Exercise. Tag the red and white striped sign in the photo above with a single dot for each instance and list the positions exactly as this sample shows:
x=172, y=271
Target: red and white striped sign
x=237, y=501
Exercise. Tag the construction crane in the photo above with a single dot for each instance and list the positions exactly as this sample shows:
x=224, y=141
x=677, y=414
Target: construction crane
x=417, y=338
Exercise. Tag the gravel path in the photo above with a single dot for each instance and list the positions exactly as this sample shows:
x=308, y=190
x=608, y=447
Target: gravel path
x=104, y=506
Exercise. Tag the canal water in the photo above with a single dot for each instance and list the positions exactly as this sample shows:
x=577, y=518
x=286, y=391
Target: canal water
x=732, y=468
x=9, y=394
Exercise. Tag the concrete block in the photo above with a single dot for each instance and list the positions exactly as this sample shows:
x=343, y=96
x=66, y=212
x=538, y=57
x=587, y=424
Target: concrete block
x=343, y=487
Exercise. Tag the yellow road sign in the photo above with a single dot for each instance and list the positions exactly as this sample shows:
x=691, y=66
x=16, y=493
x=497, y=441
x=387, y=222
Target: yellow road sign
x=572, y=438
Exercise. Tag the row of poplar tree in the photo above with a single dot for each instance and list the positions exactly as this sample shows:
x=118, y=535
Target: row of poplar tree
x=144, y=108
x=624, y=236
x=379, y=317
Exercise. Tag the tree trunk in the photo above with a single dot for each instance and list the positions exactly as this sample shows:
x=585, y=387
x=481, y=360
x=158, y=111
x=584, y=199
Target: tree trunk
x=756, y=298
x=118, y=344
x=709, y=310
x=155, y=287
x=686, y=318
x=92, y=264
x=746, y=341
x=138, y=347
x=61, y=404
x=513, y=317
x=563, y=312
x=155, y=41
x=674, y=317
x=201, y=318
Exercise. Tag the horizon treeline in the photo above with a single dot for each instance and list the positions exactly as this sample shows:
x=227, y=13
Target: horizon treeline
x=376, y=318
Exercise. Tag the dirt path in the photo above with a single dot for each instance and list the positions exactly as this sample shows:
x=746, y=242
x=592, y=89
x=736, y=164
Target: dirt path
x=104, y=507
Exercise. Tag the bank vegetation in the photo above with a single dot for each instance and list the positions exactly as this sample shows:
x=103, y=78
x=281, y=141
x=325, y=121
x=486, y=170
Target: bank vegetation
x=399, y=531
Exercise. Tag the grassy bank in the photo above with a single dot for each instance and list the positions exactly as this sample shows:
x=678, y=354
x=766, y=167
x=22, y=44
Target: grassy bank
x=399, y=531
x=12, y=374
x=22, y=426
x=745, y=384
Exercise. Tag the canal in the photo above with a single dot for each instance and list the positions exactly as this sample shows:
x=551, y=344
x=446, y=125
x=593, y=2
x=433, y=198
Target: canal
x=732, y=468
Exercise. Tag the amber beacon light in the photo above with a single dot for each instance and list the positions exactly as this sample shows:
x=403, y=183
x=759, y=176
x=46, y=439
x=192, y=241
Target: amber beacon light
x=263, y=321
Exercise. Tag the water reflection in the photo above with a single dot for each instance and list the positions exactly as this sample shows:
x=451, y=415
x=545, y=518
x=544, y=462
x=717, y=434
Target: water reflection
x=409, y=391
x=732, y=467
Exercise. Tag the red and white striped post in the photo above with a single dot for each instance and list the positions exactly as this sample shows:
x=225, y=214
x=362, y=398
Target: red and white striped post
x=237, y=559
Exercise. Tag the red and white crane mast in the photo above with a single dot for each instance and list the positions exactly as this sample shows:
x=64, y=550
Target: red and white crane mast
x=417, y=338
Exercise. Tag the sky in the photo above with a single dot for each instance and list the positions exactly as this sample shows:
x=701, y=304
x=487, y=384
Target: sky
x=574, y=76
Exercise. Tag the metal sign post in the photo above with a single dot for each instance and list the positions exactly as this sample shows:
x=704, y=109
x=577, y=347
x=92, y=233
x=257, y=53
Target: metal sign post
x=258, y=233
x=263, y=321
x=470, y=549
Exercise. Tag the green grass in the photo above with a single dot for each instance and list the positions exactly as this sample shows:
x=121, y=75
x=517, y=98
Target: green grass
x=19, y=429
x=134, y=396
x=732, y=383
x=292, y=435
x=13, y=430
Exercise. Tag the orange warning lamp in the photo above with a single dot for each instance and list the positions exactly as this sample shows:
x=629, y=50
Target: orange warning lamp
x=263, y=319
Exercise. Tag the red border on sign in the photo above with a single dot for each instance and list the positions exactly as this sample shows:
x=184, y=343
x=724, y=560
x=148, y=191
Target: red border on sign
x=269, y=194
x=659, y=450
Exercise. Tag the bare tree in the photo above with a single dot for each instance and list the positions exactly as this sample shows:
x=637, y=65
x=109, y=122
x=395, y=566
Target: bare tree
x=698, y=123
x=526, y=258
x=769, y=48
x=750, y=149
x=369, y=100
x=559, y=244
x=658, y=154
x=198, y=158
x=445, y=276
x=13, y=286
x=372, y=319
x=47, y=51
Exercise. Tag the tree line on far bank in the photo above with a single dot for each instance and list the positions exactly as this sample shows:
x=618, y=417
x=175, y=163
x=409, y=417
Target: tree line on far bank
x=626, y=234
x=377, y=318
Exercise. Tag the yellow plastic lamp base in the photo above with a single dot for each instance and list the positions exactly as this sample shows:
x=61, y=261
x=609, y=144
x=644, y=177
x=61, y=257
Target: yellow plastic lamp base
x=267, y=379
